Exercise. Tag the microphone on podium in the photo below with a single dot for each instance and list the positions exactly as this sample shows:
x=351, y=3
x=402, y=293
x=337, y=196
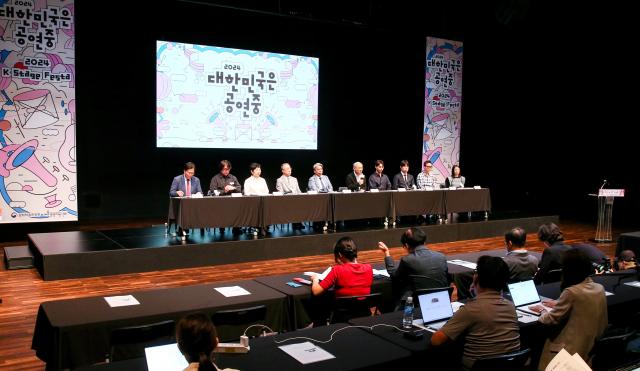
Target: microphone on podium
x=604, y=182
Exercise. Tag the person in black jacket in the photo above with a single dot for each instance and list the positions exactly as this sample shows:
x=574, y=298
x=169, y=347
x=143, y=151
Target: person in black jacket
x=553, y=239
x=356, y=181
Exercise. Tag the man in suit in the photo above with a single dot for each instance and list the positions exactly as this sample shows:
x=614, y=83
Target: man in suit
x=553, y=239
x=419, y=261
x=288, y=185
x=403, y=179
x=356, y=181
x=319, y=182
x=186, y=184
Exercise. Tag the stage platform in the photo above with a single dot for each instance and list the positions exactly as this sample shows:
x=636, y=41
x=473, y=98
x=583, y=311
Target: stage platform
x=64, y=255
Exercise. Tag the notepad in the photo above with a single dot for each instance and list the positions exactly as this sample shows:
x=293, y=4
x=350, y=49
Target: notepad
x=121, y=301
x=306, y=352
x=321, y=276
x=232, y=291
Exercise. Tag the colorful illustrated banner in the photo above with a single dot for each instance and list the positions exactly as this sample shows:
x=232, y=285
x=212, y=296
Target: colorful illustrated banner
x=215, y=97
x=38, y=112
x=442, y=105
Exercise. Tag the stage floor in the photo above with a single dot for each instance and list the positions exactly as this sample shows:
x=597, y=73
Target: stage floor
x=79, y=254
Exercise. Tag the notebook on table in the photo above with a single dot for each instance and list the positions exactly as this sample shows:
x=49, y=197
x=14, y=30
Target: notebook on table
x=435, y=310
x=524, y=294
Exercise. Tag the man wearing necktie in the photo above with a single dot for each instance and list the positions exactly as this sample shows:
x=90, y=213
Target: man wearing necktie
x=186, y=184
x=319, y=182
x=403, y=179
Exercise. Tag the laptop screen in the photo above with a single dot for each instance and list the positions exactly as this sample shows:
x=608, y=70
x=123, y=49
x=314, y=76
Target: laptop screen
x=165, y=358
x=523, y=293
x=435, y=306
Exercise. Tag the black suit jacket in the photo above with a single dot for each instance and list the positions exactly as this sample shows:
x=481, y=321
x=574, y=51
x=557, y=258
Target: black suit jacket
x=551, y=259
x=353, y=184
x=398, y=181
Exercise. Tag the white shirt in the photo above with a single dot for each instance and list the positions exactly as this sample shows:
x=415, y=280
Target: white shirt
x=255, y=186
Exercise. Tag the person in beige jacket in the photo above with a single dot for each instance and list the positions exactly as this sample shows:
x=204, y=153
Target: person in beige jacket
x=579, y=315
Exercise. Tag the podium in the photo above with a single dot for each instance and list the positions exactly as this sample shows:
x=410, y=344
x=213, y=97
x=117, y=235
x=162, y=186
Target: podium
x=605, y=213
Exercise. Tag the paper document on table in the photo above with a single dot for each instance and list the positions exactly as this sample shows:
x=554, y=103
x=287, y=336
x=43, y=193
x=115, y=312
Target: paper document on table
x=321, y=276
x=380, y=272
x=306, y=352
x=165, y=358
x=563, y=361
x=232, y=291
x=463, y=263
x=121, y=301
x=456, y=305
x=526, y=317
x=633, y=284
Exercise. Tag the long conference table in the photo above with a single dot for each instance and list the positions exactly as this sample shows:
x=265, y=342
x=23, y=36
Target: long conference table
x=217, y=211
x=74, y=332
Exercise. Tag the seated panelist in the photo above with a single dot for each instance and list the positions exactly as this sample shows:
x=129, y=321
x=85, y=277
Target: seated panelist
x=186, y=184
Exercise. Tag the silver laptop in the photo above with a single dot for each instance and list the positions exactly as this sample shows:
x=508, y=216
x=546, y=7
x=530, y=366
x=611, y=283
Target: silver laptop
x=524, y=294
x=435, y=310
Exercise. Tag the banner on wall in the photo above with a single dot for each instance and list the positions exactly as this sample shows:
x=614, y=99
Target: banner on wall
x=442, y=105
x=37, y=112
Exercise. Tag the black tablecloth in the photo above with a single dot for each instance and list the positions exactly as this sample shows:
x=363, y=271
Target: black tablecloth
x=296, y=208
x=360, y=205
x=215, y=211
x=419, y=202
x=76, y=332
x=464, y=200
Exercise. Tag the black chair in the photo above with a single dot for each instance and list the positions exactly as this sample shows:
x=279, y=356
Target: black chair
x=609, y=350
x=505, y=362
x=419, y=292
x=348, y=307
x=553, y=275
x=233, y=322
x=129, y=342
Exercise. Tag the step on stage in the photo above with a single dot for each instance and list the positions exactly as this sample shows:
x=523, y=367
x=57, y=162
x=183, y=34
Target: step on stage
x=64, y=255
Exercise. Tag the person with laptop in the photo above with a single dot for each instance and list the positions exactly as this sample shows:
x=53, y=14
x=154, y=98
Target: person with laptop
x=488, y=322
x=553, y=239
x=579, y=316
x=420, y=261
x=197, y=338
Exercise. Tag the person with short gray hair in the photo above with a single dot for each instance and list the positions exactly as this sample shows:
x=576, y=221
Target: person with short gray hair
x=356, y=181
x=319, y=182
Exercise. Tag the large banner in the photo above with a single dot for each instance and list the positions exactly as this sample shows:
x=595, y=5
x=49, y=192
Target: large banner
x=442, y=105
x=38, y=112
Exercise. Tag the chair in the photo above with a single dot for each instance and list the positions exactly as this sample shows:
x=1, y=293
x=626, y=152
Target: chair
x=348, y=307
x=505, y=362
x=553, y=275
x=129, y=342
x=419, y=292
x=609, y=350
x=233, y=322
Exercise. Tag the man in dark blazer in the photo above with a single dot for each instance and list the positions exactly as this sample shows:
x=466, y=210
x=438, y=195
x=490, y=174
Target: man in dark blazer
x=403, y=179
x=553, y=239
x=420, y=261
x=356, y=180
x=186, y=184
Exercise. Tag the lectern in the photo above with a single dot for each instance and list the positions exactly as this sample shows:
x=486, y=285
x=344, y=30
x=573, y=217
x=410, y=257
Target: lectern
x=605, y=213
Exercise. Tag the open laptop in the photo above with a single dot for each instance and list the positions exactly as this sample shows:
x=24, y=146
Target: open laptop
x=435, y=310
x=524, y=294
x=165, y=358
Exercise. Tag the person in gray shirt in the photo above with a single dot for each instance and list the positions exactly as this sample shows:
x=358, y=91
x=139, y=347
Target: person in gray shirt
x=522, y=265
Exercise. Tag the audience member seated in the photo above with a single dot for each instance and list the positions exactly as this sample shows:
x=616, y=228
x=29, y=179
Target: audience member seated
x=595, y=255
x=347, y=278
x=522, y=265
x=487, y=324
x=455, y=180
x=378, y=180
x=419, y=261
x=553, y=239
x=356, y=181
x=197, y=338
x=626, y=261
x=579, y=316
x=186, y=184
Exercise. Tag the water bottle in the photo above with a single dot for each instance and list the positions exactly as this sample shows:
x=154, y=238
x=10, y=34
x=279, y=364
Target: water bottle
x=407, y=317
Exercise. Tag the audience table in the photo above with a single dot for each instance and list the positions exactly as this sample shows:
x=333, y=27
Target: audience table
x=74, y=332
